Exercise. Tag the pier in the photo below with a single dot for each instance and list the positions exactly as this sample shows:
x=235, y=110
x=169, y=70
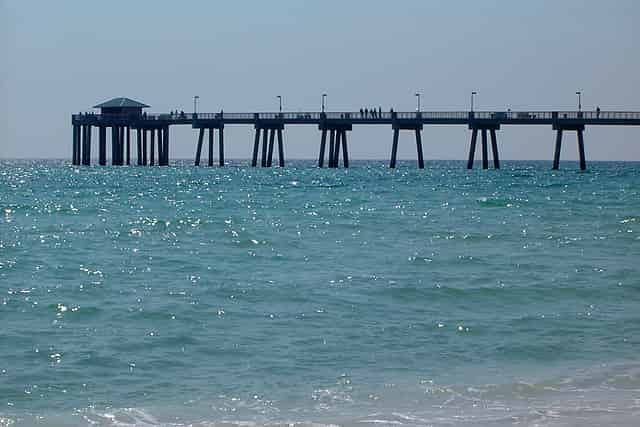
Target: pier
x=121, y=116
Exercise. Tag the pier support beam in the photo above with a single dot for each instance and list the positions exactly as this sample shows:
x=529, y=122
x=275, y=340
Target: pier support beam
x=139, y=146
x=199, y=148
x=579, y=129
x=166, y=145
x=556, y=154
x=332, y=147
x=122, y=145
x=583, y=161
x=491, y=127
x=211, y=129
x=82, y=137
x=160, y=146
x=345, y=151
x=211, y=143
x=494, y=149
x=76, y=145
x=267, y=133
x=256, y=146
x=102, y=146
x=211, y=135
x=485, y=155
x=263, y=161
x=163, y=146
x=86, y=147
x=144, y=147
x=119, y=148
x=323, y=143
x=417, y=128
x=152, y=148
x=128, y=145
x=114, y=145
x=336, y=149
x=280, y=149
x=419, y=149
x=221, y=146
x=272, y=137
x=337, y=142
x=472, y=148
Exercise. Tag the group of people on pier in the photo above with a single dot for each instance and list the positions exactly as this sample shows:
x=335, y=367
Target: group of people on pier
x=179, y=114
x=372, y=113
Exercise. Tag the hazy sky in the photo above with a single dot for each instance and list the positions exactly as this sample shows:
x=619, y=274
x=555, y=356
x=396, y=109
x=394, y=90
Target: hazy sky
x=64, y=56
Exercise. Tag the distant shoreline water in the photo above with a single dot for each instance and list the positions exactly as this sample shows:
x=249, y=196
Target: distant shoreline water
x=242, y=296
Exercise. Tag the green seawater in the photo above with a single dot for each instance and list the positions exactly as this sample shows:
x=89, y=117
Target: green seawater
x=243, y=296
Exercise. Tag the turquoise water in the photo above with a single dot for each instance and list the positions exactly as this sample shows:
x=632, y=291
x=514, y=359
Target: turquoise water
x=238, y=296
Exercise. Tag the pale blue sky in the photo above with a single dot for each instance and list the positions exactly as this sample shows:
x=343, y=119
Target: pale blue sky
x=64, y=56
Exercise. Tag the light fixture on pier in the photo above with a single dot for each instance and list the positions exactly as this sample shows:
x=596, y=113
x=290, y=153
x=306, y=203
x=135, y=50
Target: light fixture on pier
x=324, y=95
x=195, y=104
x=418, y=97
x=474, y=93
x=280, y=100
x=579, y=93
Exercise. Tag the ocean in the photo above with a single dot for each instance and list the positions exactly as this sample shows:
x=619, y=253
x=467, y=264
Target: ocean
x=240, y=296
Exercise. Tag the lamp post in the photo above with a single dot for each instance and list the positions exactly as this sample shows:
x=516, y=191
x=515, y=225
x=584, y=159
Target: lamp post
x=324, y=95
x=280, y=99
x=418, y=98
x=195, y=104
x=579, y=93
x=474, y=93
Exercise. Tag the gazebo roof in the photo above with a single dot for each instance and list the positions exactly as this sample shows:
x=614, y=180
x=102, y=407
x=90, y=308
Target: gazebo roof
x=121, y=103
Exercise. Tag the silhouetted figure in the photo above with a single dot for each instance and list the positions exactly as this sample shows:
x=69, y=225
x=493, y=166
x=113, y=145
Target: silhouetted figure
x=366, y=112
x=379, y=111
x=598, y=113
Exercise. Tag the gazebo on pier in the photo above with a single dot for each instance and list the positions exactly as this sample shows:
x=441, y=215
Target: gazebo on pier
x=121, y=108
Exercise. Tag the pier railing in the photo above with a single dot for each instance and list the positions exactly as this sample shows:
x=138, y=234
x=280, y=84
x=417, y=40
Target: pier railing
x=424, y=115
x=370, y=117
